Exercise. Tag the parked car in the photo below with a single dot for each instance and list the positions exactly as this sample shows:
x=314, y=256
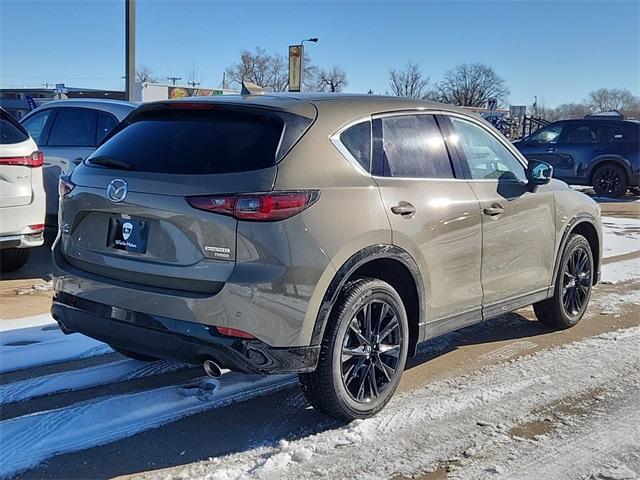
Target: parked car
x=321, y=234
x=603, y=152
x=22, y=197
x=67, y=131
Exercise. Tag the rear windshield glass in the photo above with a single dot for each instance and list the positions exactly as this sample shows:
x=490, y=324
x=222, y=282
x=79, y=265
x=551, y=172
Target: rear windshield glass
x=10, y=130
x=193, y=141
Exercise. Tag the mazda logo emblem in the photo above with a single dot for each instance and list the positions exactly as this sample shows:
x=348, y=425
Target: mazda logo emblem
x=117, y=190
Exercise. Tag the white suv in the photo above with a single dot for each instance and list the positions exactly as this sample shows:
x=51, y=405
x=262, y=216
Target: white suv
x=22, y=197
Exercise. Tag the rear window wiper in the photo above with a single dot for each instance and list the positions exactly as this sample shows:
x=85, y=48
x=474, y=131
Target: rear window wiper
x=110, y=162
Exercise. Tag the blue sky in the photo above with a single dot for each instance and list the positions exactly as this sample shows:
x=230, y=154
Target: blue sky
x=558, y=51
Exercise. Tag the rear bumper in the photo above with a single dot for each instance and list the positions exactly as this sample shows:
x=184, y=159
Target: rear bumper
x=168, y=338
x=24, y=240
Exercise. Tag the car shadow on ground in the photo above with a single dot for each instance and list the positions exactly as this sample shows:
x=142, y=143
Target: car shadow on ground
x=38, y=266
x=628, y=197
x=262, y=421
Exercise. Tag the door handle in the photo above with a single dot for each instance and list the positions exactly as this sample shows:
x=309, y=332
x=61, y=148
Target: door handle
x=493, y=210
x=552, y=150
x=404, y=209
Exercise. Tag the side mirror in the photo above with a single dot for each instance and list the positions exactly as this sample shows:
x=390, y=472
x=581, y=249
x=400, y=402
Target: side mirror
x=539, y=172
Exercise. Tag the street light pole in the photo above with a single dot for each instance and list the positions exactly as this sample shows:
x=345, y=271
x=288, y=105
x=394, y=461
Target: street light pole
x=130, y=49
x=312, y=39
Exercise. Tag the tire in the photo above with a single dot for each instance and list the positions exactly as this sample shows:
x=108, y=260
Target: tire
x=610, y=180
x=572, y=282
x=133, y=355
x=12, y=259
x=357, y=373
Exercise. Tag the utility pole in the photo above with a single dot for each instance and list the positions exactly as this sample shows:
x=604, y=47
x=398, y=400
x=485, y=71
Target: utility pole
x=174, y=79
x=192, y=84
x=47, y=84
x=130, y=49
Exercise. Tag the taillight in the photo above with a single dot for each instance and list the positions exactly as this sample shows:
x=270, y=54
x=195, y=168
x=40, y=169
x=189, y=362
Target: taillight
x=36, y=159
x=65, y=185
x=233, y=332
x=265, y=207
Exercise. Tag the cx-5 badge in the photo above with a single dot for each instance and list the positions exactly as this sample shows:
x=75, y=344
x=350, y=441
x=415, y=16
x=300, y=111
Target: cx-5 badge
x=117, y=190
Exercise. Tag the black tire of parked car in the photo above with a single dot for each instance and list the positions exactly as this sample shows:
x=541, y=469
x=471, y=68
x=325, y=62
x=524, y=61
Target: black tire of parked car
x=361, y=361
x=610, y=180
x=133, y=355
x=12, y=259
x=572, y=286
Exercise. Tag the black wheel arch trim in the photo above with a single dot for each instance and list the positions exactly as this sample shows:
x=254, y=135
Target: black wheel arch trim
x=571, y=226
x=619, y=161
x=360, y=258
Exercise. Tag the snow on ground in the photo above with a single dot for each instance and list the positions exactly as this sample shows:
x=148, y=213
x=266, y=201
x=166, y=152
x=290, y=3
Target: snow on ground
x=618, y=272
x=41, y=435
x=613, y=303
x=113, y=372
x=621, y=235
x=470, y=413
x=25, y=322
x=42, y=345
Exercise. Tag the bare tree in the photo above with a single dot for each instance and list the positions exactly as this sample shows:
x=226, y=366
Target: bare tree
x=278, y=73
x=194, y=75
x=333, y=80
x=605, y=99
x=409, y=82
x=253, y=66
x=145, y=75
x=472, y=85
x=269, y=71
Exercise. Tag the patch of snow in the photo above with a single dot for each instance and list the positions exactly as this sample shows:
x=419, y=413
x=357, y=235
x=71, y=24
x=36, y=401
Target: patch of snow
x=621, y=236
x=618, y=272
x=35, y=288
x=441, y=421
x=41, y=435
x=113, y=372
x=613, y=303
x=42, y=345
x=25, y=322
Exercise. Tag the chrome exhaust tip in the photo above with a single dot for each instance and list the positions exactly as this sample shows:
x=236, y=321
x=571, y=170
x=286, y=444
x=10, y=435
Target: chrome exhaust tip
x=212, y=369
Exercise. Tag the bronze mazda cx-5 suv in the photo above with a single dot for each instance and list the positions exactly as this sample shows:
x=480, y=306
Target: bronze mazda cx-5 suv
x=321, y=234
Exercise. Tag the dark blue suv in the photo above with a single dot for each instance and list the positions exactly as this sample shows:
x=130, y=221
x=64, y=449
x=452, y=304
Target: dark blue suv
x=600, y=152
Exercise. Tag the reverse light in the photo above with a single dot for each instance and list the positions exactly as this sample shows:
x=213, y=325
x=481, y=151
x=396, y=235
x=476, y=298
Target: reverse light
x=234, y=332
x=65, y=186
x=36, y=159
x=265, y=207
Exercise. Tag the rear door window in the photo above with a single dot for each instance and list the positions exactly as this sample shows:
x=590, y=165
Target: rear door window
x=10, y=130
x=74, y=127
x=410, y=146
x=579, y=133
x=106, y=123
x=199, y=140
x=36, y=124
